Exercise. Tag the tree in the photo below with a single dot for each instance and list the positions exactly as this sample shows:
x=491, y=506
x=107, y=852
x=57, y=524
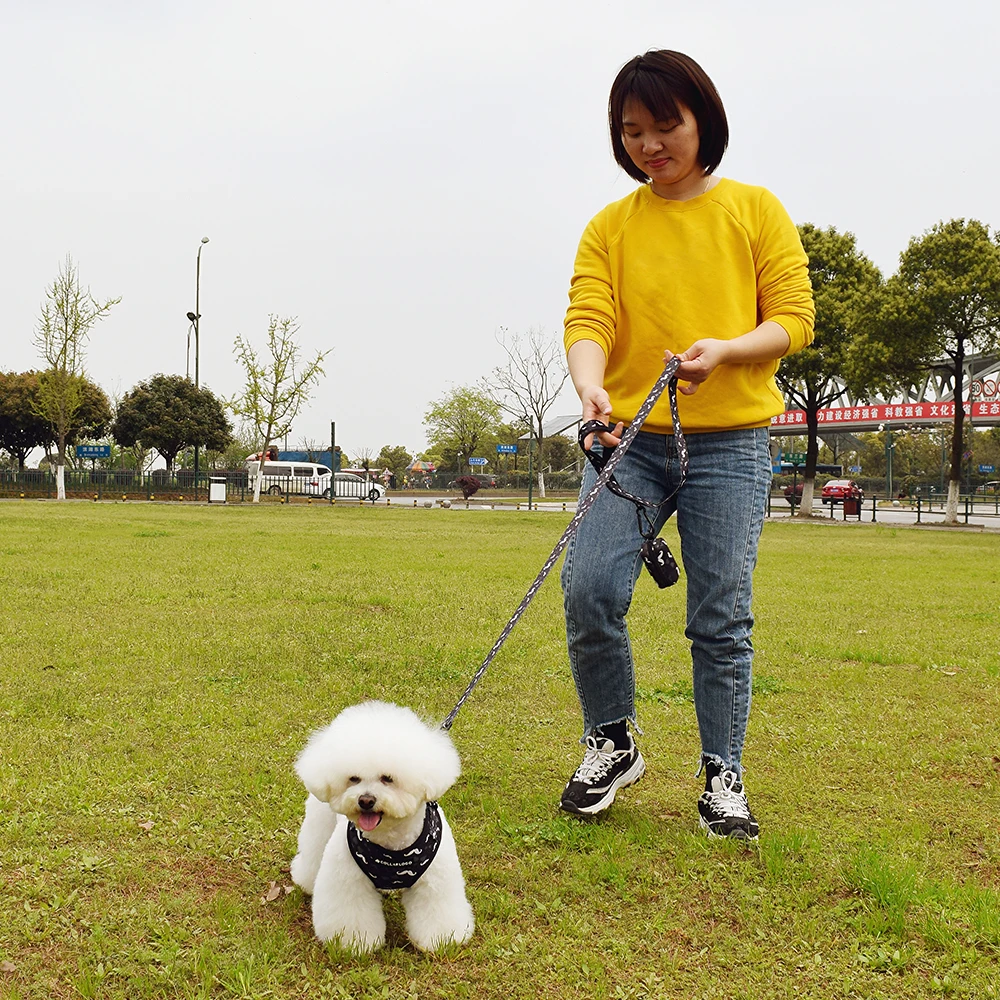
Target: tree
x=844, y=283
x=93, y=416
x=364, y=458
x=68, y=315
x=21, y=427
x=562, y=452
x=459, y=421
x=242, y=442
x=468, y=485
x=944, y=301
x=276, y=387
x=90, y=420
x=529, y=383
x=448, y=455
x=169, y=413
x=312, y=448
x=396, y=460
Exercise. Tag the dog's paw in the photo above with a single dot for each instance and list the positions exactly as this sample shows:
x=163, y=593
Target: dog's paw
x=441, y=942
x=356, y=943
x=357, y=939
x=303, y=874
x=439, y=938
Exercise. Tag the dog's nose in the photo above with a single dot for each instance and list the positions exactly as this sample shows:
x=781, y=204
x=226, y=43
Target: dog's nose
x=366, y=802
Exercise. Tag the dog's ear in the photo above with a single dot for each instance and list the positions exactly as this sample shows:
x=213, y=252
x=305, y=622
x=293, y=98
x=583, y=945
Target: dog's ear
x=442, y=765
x=313, y=768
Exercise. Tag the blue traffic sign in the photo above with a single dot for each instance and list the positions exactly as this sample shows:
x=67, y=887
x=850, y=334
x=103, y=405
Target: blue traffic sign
x=477, y=461
x=506, y=449
x=93, y=451
x=987, y=468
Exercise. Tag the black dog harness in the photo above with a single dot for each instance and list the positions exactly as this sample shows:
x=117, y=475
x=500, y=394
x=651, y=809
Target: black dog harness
x=388, y=870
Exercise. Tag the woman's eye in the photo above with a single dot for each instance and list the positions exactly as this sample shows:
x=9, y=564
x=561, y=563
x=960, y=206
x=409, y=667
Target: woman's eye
x=386, y=779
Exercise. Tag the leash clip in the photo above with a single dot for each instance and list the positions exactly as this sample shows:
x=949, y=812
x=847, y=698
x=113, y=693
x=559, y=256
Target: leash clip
x=655, y=553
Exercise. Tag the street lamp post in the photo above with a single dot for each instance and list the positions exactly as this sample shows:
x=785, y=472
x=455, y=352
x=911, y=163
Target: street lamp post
x=195, y=319
x=187, y=356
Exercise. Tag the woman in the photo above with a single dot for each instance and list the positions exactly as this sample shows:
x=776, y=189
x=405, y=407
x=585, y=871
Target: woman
x=713, y=271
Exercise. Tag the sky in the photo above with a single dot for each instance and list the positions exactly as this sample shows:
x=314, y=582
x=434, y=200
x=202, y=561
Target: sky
x=409, y=179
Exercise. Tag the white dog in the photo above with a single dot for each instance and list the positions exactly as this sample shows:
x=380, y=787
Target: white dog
x=372, y=824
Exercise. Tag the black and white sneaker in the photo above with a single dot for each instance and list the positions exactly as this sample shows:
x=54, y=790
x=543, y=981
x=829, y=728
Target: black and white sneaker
x=724, y=810
x=604, y=770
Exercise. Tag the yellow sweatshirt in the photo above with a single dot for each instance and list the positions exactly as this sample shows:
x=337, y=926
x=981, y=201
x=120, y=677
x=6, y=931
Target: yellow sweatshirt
x=652, y=274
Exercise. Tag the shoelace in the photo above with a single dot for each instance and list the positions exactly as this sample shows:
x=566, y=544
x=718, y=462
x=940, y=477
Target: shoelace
x=596, y=762
x=727, y=801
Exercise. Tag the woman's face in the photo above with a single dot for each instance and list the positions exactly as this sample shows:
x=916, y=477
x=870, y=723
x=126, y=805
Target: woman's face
x=665, y=150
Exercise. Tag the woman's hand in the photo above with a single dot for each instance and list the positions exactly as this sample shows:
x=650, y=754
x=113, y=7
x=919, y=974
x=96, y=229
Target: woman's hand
x=768, y=342
x=597, y=406
x=698, y=362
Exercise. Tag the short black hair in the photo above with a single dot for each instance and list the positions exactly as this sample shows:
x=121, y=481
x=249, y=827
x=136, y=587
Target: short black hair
x=661, y=79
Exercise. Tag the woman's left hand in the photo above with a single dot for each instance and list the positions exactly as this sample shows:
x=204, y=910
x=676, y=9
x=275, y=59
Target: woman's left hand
x=698, y=362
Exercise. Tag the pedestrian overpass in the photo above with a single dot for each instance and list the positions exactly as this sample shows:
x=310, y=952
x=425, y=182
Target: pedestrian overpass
x=926, y=403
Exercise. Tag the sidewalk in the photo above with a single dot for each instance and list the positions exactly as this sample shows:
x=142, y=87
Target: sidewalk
x=982, y=516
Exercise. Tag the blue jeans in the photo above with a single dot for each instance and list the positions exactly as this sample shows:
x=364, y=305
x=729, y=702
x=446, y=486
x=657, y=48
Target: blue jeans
x=720, y=513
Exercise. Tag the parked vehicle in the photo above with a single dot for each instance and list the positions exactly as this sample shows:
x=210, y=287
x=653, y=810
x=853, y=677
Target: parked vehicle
x=838, y=490
x=307, y=479
x=796, y=490
x=348, y=484
x=290, y=477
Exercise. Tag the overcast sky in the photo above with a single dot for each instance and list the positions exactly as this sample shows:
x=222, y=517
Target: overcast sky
x=408, y=178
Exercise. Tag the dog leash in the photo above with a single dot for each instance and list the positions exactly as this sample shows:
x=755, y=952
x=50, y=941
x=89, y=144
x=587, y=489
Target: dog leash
x=667, y=380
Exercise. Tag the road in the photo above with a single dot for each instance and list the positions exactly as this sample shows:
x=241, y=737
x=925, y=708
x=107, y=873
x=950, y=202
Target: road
x=984, y=515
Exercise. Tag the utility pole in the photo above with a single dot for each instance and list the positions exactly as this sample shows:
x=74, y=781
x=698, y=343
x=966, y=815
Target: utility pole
x=197, y=343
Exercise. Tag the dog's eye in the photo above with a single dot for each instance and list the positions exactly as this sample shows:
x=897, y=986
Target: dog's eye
x=386, y=779
x=354, y=779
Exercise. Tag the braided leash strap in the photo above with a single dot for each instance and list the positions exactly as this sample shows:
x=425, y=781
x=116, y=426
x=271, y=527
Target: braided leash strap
x=667, y=378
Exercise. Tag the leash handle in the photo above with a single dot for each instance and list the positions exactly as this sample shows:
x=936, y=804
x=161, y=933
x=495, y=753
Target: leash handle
x=668, y=377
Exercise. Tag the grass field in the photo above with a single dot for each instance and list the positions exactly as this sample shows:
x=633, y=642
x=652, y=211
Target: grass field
x=162, y=666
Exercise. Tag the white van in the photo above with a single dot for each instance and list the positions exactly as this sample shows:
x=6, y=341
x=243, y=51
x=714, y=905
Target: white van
x=291, y=477
x=306, y=479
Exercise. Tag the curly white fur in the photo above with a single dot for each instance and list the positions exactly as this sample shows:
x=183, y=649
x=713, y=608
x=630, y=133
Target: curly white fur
x=377, y=765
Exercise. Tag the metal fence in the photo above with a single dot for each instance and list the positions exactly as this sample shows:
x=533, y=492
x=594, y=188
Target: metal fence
x=106, y=484
x=977, y=505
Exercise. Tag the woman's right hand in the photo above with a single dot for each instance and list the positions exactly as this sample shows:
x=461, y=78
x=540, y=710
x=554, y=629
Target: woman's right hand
x=597, y=406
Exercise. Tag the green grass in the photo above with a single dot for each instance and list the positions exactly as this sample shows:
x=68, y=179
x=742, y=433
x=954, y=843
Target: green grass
x=162, y=666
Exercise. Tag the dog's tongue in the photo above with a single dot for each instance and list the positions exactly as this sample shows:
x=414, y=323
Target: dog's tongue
x=369, y=820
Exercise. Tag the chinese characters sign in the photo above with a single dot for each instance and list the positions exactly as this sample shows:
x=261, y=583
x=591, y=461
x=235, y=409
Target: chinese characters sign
x=881, y=413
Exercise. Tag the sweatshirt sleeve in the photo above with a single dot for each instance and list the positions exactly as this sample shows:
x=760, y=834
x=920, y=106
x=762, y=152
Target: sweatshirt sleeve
x=784, y=291
x=591, y=312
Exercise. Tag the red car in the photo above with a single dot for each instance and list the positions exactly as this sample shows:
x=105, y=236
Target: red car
x=838, y=490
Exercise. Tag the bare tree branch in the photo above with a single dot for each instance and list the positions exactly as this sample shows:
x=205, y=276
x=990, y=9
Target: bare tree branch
x=529, y=383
